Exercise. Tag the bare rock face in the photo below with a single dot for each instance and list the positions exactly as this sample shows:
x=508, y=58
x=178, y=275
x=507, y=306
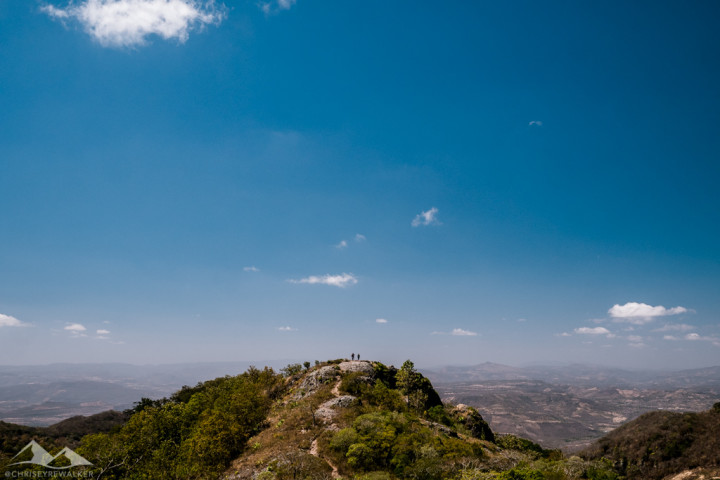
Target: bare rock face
x=357, y=366
x=474, y=422
x=342, y=401
x=327, y=411
x=315, y=380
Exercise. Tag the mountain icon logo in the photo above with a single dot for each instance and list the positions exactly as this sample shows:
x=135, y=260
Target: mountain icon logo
x=39, y=456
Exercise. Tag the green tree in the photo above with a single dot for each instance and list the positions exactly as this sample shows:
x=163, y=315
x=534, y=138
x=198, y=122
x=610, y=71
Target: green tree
x=407, y=378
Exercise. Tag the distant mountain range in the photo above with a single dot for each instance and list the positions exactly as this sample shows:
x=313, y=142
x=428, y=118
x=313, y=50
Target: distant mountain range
x=46, y=394
x=581, y=375
x=569, y=407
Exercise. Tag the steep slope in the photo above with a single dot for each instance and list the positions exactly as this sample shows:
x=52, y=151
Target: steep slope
x=351, y=417
x=364, y=420
x=661, y=444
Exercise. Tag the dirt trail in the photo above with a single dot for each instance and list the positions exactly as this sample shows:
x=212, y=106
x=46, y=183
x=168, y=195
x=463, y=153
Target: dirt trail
x=314, y=446
x=314, y=451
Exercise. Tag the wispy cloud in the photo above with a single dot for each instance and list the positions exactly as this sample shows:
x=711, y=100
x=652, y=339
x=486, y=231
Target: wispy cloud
x=8, y=321
x=75, y=327
x=343, y=280
x=343, y=244
x=128, y=23
x=381, y=320
x=695, y=337
x=276, y=6
x=287, y=329
x=537, y=123
x=251, y=268
x=102, y=334
x=457, y=332
x=641, y=313
x=592, y=331
x=426, y=218
x=674, y=327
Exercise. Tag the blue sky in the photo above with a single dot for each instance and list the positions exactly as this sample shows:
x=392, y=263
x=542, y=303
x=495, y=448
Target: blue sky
x=452, y=182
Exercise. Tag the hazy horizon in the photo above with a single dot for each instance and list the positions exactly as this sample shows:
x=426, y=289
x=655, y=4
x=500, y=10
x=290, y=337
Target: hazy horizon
x=280, y=363
x=452, y=183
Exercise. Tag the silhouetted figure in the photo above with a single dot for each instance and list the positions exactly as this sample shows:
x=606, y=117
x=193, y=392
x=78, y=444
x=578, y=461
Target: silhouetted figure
x=352, y=355
x=358, y=356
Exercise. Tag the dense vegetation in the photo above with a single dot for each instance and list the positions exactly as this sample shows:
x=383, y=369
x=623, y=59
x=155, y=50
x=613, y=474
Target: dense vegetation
x=661, y=443
x=392, y=425
x=194, y=434
x=351, y=420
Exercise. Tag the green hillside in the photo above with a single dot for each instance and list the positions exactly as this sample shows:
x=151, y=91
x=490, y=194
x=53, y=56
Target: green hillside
x=354, y=420
x=659, y=444
x=336, y=419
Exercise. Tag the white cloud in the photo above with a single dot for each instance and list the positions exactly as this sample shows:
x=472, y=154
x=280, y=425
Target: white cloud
x=287, y=329
x=343, y=280
x=637, y=345
x=564, y=334
x=275, y=6
x=75, y=327
x=128, y=23
x=341, y=245
x=360, y=237
x=635, y=338
x=426, y=218
x=457, y=332
x=251, y=268
x=102, y=334
x=694, y=337
x=670, y=337
x=593, y=331
x=537, y=123
x=641, y=313
x=380, y=320
x=8, y=321
x=674, y=327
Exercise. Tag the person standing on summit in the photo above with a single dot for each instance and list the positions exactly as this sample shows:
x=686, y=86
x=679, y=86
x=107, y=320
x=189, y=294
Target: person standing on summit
x=352, y=356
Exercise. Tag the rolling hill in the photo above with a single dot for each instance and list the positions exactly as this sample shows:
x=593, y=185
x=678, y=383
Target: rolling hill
x=657, y=445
